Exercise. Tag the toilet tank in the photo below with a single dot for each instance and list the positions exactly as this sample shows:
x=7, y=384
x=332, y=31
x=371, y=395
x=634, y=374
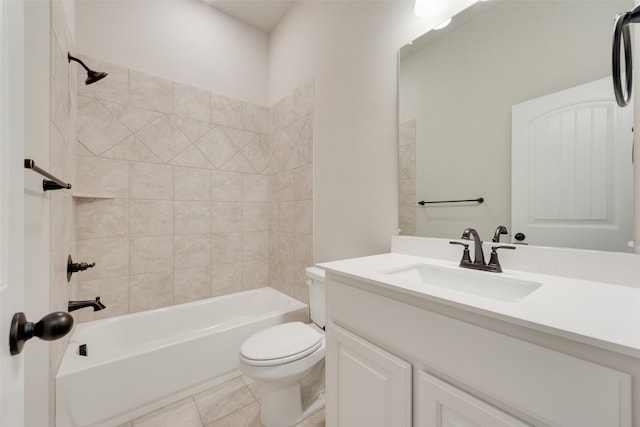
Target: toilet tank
x=317, y=297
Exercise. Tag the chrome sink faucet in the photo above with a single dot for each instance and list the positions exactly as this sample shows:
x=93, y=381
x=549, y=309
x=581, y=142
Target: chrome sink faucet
x=478, y=263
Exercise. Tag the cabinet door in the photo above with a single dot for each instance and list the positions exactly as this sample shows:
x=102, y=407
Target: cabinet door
x=441, y=405
x=366, y=385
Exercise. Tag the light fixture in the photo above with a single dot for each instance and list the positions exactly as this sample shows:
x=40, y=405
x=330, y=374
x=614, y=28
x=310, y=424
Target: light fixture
x=92, y=76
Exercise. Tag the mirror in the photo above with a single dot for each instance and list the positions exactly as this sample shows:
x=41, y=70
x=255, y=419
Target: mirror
x=462, y=91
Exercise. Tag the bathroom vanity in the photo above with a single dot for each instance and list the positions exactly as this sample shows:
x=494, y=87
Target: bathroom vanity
x=414, y=340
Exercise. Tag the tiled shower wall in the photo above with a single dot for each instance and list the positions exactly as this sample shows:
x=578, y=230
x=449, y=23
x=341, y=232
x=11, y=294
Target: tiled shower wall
x=407, y=178
x=184, y=192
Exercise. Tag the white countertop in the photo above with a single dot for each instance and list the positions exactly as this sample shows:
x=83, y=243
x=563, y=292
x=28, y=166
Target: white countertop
x=599, y=314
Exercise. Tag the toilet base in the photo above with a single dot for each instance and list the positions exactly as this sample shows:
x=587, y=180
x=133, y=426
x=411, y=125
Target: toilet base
x=285, y=405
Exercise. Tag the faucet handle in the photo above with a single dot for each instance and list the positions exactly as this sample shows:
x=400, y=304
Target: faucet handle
x=494, y=264
x=466, y=257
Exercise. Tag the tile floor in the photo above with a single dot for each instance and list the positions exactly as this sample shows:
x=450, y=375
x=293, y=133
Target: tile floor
x=235, y=403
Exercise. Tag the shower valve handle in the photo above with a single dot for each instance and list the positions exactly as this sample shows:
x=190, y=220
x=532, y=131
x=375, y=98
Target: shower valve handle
x=74, y=267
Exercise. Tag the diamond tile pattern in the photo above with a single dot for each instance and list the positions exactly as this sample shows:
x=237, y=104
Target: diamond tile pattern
x=209, y=195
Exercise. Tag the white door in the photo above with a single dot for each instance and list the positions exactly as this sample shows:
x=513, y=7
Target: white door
x=11, y=205
x=572, y=171
x=366, y=385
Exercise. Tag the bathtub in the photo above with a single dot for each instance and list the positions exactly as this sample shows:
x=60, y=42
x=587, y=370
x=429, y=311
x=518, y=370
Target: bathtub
x=140, y=362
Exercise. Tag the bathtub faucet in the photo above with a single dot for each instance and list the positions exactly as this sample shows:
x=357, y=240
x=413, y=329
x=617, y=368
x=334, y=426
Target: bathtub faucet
x=96, y=304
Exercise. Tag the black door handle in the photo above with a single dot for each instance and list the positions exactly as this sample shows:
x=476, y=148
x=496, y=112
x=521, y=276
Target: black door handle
x=51, y=327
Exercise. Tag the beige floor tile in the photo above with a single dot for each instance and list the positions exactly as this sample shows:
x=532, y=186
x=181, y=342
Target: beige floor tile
x=249, y=416
x=181, y=414
x=254, y=386
x=222, y=400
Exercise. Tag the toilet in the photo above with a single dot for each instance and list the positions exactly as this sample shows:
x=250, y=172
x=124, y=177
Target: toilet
x=288, y=361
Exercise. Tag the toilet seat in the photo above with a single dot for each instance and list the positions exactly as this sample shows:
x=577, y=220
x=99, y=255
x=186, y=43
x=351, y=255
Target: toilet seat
x=281, y=344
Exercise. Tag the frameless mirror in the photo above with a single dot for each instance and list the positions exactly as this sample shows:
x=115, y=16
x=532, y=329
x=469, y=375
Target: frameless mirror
x=513, y=104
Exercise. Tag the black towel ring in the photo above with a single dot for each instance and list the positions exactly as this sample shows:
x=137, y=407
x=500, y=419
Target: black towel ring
x=621, y=34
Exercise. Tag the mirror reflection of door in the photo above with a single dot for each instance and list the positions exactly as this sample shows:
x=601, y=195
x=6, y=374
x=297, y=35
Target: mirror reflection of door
x=572, y=169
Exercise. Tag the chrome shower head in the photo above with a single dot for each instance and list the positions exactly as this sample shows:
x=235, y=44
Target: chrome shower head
x=92, y=76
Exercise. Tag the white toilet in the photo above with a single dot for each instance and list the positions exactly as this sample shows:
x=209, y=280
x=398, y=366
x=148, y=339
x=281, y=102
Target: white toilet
x=288, y=360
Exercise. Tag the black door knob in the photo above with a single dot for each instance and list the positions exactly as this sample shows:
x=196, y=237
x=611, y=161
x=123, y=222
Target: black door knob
x=51, y=327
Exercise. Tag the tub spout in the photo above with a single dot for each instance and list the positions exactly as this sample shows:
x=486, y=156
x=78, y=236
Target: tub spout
x=96, y=304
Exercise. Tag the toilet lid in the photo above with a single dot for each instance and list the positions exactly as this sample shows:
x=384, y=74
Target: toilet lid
x=288, y=341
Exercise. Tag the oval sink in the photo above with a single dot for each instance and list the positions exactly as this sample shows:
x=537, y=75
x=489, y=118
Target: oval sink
x=490, y=285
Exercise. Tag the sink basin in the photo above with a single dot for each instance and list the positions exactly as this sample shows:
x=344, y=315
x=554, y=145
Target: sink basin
x=482, y=283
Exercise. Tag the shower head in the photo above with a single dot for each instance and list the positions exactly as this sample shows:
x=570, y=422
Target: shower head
x=92, y=76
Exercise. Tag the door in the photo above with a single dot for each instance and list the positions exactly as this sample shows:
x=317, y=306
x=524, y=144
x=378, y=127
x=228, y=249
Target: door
x=572, y=171
x=11, y=205
x=366, y=385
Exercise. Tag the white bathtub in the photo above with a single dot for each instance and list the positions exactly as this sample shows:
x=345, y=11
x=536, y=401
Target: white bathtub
x=143, y=361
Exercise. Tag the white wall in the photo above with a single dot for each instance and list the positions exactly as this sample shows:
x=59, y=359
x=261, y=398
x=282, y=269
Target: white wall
x=351, y=50
x=182, y=40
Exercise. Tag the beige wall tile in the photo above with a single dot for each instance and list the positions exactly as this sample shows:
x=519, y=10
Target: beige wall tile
x=283, y=186
x=98, y=218
x=226, y=217
x=151, y=254
x=151, y=217
x=191, y=284
x=217, y=147
x=113, y=293
x=226, y=278
x=226, y=186
x=110, y=255
x=192, y=251
x=258, y=153
x=192, y=129
x=132, y=117
x=255, y=118
x=303, y=99
x=150, y=92
x=191, y=184
x=255, y=245
x=152, y=290
x=163, y=138
x=304, y=217
x=149, y=181
x=131, y=148
x=98, y=128
x=226, y=248
x=102, y=177
x=191, y=157
x=226, y=111
x=255, y=188
x=286, y=217
x=255, y=217
x=191, y=102
x=191, y=217
x=255, y=274
x=303, y=183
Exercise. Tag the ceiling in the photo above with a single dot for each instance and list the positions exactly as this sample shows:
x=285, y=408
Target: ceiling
x=261, y=14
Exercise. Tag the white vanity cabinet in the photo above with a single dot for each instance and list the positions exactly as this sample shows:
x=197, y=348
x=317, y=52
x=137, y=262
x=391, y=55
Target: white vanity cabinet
x=373, y=386
x=395, y=360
